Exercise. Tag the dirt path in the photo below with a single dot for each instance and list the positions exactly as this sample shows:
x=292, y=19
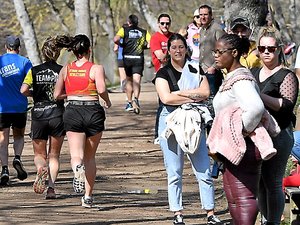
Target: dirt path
x=127, y=162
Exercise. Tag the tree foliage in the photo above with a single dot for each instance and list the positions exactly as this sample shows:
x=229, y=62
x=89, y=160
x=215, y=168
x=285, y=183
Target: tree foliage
x=53, y=17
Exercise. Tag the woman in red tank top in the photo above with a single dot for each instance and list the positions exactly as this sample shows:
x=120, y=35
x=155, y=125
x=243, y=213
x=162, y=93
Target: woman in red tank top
x=82, y=83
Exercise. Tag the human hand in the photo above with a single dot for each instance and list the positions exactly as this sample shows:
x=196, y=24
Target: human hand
x=107, y=104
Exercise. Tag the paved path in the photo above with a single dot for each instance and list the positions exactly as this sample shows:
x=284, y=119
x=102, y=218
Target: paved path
x=127, y=162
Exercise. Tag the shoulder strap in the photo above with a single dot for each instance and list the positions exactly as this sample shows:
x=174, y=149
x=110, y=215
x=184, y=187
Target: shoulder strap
x=173, y=79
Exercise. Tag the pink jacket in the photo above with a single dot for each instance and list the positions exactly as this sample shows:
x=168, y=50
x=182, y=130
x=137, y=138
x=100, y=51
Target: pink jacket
x=226, y=136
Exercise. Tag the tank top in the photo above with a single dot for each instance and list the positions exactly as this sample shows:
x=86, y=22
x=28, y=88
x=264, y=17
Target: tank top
x=78, y=81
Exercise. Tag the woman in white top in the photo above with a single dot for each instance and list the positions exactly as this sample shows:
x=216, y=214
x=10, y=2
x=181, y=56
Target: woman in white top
x=239, y=88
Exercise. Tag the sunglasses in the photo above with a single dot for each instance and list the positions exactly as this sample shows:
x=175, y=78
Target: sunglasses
x=165, y=23
x=270, y=49
x=197, y=17
x=220, y=52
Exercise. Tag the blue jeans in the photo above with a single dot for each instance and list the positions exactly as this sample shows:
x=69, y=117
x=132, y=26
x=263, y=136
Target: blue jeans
x=271, y=197
x=174, y=161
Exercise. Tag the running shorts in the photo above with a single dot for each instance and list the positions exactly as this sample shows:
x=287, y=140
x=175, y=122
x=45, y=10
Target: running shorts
x=133, y=66
x=14, y=120
x=88, y=119
x=42, y=129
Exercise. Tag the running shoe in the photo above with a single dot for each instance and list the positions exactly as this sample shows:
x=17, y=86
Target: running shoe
x=17, y=164
x=50, y=193
x=129, y=107
x=136, y=106
x=86, y=202
x=213, y=220
x=4, y=176
x=178, y=220
x=79, y=179
x=39, y=184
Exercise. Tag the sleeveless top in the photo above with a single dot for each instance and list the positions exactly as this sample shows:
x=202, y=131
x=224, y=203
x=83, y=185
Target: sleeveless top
x=78, y=81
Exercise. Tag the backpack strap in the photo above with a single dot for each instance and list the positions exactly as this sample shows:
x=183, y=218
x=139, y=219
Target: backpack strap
x=173, y=79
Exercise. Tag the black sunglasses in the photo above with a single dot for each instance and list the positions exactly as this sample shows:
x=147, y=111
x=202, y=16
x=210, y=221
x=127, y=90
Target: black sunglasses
x=197, y=17
x=221, y=52
x=164, y=23
x=270, y=49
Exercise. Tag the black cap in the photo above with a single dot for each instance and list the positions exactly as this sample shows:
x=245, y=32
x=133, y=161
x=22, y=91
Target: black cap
x=239, y=20
x=12, y=42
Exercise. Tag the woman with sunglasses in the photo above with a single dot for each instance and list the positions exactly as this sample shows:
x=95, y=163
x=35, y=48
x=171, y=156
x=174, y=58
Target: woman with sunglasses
x=279, y=90
x=238, y=89
x=193, y=36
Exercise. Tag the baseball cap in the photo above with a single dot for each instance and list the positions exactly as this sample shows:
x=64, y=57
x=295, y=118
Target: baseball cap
x=239, y=20
x=12, y=42
x=196, y=12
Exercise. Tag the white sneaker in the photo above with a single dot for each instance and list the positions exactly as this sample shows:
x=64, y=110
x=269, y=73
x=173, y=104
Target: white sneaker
x=86, y=202
x=156, y=141
x=79, y=179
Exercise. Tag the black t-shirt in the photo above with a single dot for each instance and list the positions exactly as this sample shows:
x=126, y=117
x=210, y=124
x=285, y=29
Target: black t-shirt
x=163, y=73
x=44, y=77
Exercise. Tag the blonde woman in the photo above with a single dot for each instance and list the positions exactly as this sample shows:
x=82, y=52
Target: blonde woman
x=279, y=90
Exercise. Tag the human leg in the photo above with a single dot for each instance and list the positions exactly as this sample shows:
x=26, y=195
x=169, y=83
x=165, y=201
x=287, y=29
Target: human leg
x=137, y=85
x=89, y=162
x=241, y=186
x=201, y=166
x=76, y=143
x=4, y=140
x=173, y=160
x=53, y=159
x=271, y=196
x=40, y=157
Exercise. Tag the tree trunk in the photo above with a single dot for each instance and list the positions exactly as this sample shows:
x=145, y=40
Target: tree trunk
x=57, y=15
x=111, y=33
x=254, y=10
x=144, y=10
x=279, y=18
x=29, y=35
x=83, y=19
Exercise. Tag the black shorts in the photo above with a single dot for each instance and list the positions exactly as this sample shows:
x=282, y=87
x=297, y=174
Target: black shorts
x=120, y=63
x=42, y=129
x=133, y=66
x=88, y=119
x=14, y=120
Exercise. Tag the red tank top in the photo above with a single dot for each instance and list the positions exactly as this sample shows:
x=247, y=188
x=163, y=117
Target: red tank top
x=78, y=81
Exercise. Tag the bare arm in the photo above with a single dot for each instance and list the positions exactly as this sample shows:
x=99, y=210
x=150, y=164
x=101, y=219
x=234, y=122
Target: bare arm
x=199, y=94
x=179, y=97
x=160, y=55
x=25, y=90
x=99, y=77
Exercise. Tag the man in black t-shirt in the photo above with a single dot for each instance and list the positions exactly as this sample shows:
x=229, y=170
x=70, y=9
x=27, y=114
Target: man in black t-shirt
x=135, y=40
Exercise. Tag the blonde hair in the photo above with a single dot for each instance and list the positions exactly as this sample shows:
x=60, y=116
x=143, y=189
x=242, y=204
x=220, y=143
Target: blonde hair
x=273, y=33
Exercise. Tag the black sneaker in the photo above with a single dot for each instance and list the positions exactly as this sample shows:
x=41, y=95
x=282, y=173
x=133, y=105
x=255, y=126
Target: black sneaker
x=4, y=176
x=178, y=219
x=213, y=220
x=136, y=106
x=17, y=164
